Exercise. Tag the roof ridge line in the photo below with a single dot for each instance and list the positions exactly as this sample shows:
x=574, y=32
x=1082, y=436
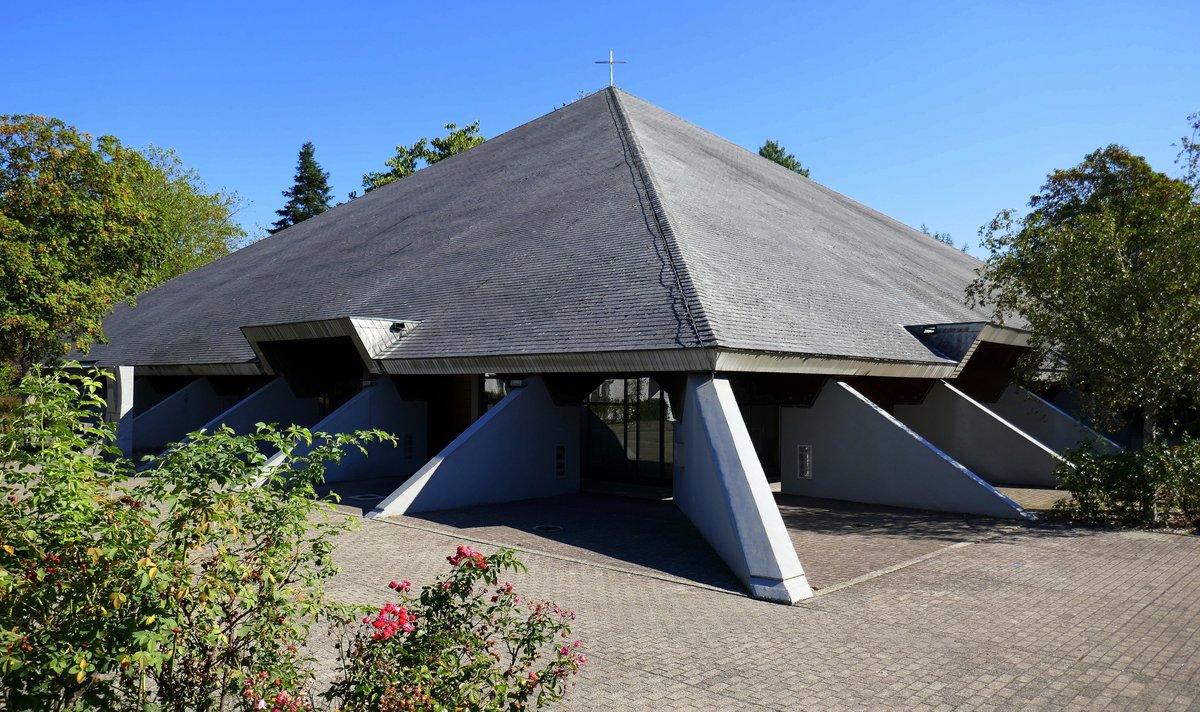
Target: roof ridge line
x=702, y=328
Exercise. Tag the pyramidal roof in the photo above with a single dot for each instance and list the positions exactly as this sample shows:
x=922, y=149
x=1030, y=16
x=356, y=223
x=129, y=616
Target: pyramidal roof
x=606, y=227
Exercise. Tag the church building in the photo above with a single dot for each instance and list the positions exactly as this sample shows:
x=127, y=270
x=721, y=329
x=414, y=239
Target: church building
x=606, y=293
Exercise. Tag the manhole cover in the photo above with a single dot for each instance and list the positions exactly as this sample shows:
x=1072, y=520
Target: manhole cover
x=364, y=497
x=547, y=528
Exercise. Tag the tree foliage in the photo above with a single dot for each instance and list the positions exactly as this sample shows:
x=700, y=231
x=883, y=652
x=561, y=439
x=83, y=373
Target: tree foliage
x=309, y=194
x=166, y=593
x=772, y=151
x=1158, y=486
x=425, y=152
x=1189, y=153
x=939, y=236
x=1105, y=269
x=86, y=223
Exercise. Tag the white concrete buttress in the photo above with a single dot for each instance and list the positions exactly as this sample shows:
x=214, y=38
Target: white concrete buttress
x=172, y=418
x=1047, y=423
x=719, y=484
x=980, y=439
x=380, y=407
x=857, y=452
x=273, y=403
x=525, y=446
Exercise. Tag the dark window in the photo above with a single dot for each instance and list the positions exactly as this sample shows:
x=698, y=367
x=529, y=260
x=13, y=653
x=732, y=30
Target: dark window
x=629, y=432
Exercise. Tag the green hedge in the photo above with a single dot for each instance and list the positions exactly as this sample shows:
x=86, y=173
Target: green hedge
x=1158, y=486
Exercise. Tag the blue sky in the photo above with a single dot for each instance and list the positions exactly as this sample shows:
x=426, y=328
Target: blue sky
x=940, y=113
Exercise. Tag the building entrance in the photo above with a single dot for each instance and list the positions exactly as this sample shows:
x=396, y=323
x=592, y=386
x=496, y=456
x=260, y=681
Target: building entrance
x=629, y=432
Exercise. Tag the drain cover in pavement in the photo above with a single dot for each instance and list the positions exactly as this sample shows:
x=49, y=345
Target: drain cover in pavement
x=364, y=497
x=547, y=528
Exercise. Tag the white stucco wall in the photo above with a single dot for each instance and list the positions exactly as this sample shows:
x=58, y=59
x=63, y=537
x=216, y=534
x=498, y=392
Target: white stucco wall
x=860, y=453
x=1046, y=423
x=378, y=407
x=984, y=442
x=178, y=414
x=510, y=453
x=719, y=484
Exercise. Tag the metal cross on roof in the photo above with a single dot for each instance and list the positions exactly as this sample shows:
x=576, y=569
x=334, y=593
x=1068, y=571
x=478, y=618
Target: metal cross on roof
x=610, y=62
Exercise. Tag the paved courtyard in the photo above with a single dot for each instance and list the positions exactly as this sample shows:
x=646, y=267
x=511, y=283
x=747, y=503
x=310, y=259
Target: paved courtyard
x=913, y=610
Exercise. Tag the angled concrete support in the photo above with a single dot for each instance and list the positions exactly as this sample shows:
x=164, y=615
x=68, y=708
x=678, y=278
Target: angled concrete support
x=524, y=447
x=846, y=447
x=147, y=394
x=378, y=407
x=119, y=406
x=273, y=403
x=175, y=416
x=1046, y=423
x=720, y=485
x=986, y=443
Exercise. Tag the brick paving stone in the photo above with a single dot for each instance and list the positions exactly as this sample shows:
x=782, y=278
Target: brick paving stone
x=1035, y=499
x=1012, y=618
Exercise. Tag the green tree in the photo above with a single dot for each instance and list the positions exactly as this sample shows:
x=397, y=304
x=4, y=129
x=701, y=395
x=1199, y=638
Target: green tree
x=309, y=194
x=196, y=226
x=86, y=223
x=1105, y=269
x=425, y=152
x=939, y=236
x=1189, y=153
x=772, y=151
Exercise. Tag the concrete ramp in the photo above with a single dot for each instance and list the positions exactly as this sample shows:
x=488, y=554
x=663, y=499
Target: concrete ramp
x=846, y=447
x=1046, y=423
x=378, y=407
x=525, y=446
x=983, y=441
x=720, y=485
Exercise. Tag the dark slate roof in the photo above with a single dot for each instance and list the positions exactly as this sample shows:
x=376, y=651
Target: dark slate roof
x=607, y=225
x=783, y=263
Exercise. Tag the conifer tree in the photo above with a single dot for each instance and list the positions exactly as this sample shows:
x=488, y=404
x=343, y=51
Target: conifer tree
x=772, y=151
x=309, y=194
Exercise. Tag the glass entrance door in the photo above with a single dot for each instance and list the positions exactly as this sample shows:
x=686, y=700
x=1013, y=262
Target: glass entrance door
x=629, y=432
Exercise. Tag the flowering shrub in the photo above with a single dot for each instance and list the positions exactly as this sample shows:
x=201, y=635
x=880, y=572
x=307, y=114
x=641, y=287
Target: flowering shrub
x=185, y=591
x=197, y=587
x=467, y=641
x=70, y=540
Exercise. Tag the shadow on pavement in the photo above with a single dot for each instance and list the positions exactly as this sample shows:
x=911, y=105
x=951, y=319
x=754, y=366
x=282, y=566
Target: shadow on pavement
x=650, y=535
x=836, y=541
